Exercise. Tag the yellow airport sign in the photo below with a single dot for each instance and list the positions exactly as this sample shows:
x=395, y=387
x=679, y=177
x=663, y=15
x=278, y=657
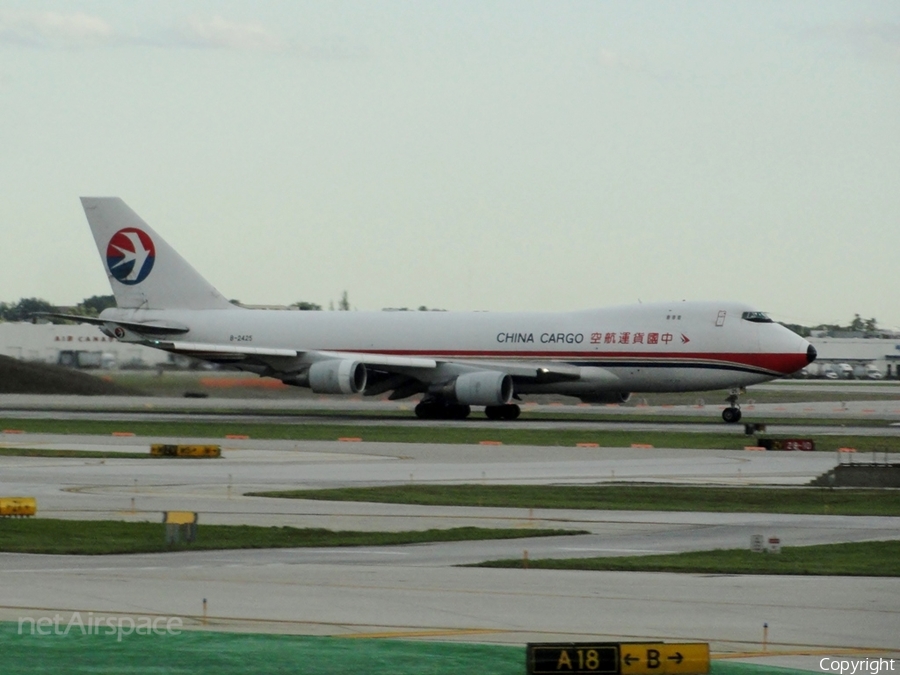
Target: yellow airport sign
x=18, y=506
x=661, y=658
x=180, y=517
x=618, y=658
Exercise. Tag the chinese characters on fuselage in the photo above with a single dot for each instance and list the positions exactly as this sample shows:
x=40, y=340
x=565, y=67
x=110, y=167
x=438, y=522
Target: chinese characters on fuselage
x=596, y=338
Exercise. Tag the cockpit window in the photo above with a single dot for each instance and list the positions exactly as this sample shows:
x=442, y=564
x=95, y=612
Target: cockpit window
x=756, y=317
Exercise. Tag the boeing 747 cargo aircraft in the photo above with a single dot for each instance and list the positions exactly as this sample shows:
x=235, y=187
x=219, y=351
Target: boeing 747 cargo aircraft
x=453, y=360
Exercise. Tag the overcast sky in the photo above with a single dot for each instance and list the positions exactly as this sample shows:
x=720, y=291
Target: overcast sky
x=464, y=155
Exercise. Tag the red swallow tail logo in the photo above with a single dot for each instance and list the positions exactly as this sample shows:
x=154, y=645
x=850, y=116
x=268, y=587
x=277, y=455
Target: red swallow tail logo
x=130, y=255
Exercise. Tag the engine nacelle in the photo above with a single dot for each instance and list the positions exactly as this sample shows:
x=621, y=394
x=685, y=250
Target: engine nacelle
x=337, y=377
x=607, y=397
x=484, y=388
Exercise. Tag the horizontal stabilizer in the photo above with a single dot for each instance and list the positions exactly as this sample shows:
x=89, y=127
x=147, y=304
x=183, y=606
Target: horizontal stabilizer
x=140, y=327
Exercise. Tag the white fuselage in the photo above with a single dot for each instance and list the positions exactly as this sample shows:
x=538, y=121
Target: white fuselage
x=683, y=346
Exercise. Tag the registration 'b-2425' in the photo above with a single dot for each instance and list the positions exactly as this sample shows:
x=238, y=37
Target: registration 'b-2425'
x=453, y=360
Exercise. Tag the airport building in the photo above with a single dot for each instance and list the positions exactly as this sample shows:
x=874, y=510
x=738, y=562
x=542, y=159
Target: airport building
x=857, y=358
x=74, y=345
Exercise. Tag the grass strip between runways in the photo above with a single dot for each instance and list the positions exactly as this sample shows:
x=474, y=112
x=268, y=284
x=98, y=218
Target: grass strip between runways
x=98, y=537
x=827, y=501
x=408, y=433
x=867, y=559
x=189, y=652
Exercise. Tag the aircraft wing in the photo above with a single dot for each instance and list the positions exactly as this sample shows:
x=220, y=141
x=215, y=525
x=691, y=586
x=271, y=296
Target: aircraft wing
x=533, y=372
x=276, y=357
x=285, y=359
x=537, y=372
x=215, y=352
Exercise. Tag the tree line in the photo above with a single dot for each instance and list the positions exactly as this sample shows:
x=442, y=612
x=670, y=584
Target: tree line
x=857, y=325
x=25, y=308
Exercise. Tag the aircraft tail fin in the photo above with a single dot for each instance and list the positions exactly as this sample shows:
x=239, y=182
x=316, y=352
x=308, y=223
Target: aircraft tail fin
x=143, y=270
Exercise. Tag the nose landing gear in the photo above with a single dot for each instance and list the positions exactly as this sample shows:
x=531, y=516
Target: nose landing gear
x=732, y=414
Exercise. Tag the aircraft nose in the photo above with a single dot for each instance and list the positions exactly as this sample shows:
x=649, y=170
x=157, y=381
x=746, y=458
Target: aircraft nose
x=811, y=354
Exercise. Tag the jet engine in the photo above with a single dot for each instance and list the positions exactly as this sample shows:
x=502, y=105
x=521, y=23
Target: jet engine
x=484, y=388
x=337, y=377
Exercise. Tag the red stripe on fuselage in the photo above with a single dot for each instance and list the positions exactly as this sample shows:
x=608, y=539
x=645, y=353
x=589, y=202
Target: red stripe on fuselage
x=783, y=363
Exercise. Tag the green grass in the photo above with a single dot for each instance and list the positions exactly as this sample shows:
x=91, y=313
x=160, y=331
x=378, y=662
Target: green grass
x=870, y=559
x=623, y=497
x=99, y=537
x=401, y=433
x=228, y=653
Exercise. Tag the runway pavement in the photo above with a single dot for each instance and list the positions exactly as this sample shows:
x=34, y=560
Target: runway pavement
x=416, y=590
x=780, y=417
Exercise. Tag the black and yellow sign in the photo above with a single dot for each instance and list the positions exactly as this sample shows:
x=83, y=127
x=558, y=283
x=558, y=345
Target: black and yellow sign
x=618, y=658
x=573, y=657
x=166, y=450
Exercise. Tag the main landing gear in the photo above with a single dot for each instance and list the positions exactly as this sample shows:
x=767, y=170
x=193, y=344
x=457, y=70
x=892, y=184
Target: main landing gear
x=510, y=411
x=441, y=409
x=732, y=414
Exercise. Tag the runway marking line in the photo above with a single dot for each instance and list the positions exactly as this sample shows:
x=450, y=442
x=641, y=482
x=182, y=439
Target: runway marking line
x=350, y=439
x=237, y=437
x=490, y=442
x=123, y=433
x=837, y=651
x=756, y=448
x=587, y=445
x=13, y=431
x=642, y=446
x=620, y=550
